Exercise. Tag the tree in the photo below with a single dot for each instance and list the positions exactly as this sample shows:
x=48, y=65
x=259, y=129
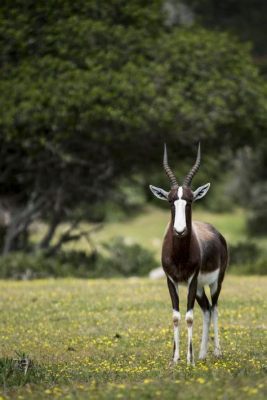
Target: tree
x=244, y=18
x=250, y=186
x=92, y=89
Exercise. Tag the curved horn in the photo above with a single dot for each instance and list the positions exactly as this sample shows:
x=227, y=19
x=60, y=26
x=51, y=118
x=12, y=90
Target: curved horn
x=168, y=171
x=191, y=174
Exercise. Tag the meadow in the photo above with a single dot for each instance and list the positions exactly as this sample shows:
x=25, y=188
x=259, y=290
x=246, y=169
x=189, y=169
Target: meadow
x=112, y=339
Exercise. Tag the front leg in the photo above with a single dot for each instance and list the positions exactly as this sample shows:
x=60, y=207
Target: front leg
x=173, y=289
x=192, y=290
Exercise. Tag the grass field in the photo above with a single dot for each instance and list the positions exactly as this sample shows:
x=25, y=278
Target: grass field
x=113, y=339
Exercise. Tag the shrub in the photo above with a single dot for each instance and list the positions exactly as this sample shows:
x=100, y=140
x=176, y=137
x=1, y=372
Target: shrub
x=258, y=267
x=246, y=258
x=244, y=252
x=120, y=259
x=257, y=221
x=125, y=260
x=32, y=266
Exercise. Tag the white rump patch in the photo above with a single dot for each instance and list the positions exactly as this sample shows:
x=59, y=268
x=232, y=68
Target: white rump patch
x=207, y=278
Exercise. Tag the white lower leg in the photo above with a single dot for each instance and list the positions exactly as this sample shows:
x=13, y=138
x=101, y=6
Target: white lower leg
x=190, y=351
x=176, y=319
x=214, y=314
x=205, y=335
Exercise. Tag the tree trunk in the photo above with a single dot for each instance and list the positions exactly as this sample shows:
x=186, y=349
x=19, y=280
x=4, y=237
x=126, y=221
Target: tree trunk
x=19, y=226
x=55, y=221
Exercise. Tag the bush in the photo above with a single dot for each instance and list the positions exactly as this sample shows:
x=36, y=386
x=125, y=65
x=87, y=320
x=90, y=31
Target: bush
x=120, y=259
x=257, y=221
x=32, y=266
x=125, y=260
x=258, y=267
x=246, y=258
x=244, y=252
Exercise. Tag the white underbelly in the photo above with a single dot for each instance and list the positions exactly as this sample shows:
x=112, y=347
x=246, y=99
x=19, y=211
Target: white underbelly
x=207, y=278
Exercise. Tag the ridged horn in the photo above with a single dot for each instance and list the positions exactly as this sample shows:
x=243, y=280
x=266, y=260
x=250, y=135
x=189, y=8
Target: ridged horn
x=167, y=169
x=191, y=174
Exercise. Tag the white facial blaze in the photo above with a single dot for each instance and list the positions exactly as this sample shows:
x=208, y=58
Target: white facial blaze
x=180, y=220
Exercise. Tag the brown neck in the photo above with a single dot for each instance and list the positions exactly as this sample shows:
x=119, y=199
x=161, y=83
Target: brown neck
x=181, y=245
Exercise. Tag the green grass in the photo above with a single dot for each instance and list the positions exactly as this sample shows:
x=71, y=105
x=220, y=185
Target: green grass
x=111, y=339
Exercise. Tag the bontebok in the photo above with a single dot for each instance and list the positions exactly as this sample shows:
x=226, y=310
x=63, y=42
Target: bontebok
x=193, y=253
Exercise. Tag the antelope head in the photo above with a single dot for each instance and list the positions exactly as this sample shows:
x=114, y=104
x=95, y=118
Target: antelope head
x=181, y=197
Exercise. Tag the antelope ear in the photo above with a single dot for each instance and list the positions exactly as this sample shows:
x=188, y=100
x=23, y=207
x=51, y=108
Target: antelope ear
x=201, y=191
x=158, y=192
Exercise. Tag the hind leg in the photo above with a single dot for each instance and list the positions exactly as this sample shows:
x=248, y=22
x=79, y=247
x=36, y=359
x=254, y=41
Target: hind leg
x=206, y=310
x=173, y=289
x=215, y=290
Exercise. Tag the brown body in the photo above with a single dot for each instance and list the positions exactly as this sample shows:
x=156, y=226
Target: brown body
x=203, y=250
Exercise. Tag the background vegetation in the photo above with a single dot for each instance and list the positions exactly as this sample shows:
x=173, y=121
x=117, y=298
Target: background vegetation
x=90, y=91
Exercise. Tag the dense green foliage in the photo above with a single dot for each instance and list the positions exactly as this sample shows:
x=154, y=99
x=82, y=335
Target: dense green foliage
x=88, y=87
x=246, y=18
x=109, y=78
